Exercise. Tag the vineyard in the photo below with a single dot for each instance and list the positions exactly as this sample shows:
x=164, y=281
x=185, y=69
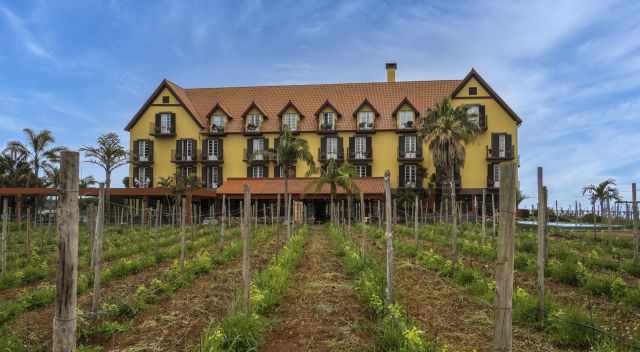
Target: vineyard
x=322, y=289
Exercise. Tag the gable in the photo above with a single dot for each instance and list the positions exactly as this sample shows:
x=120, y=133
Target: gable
x=473, y=83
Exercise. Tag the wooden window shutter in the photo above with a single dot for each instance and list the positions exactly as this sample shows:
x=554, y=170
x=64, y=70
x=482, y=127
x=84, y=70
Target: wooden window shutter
x=508, y=145
x=401, y=176
x=150, y=177
x=265, y=171
x=173, y=122
x=276, y=171
x=352, y=150
x=157, y=122
x=418, y=146
x=205, y=176
x=220, y=178
x=420, y=171
x=401, y=146
x=495, y=144
x=150, y=146
x=266, y=143
x=340, y=148
x=249, y=175
x=369, y=147
x=482, y=118
x=220, y=150
x=249, y=148
x=490, y=175
x=136, y=148
x=179, y=144
x=323, y=147
x=369, y=170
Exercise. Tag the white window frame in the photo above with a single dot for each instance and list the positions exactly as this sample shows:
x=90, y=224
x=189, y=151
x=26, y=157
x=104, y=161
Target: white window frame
x=257, y=172
x=366, y=117
x=186, y=171
x=405, y=116
x=188, y=150
x=213, y=149
x=496, y=175
x=329, y=116
x=502, y=146
x=361, y=170
x=473, y=114
x=143, y=152
x=291, y=120
x=255, y=119
x=142, y=178
x=212, y=179
x=258, y=148
x=410, y=175
x=332, y=147
x=165, y=123
x=410, y=146
x=360, y=147
x=218, y=121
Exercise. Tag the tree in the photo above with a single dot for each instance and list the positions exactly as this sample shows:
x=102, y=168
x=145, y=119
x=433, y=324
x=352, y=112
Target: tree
x=336, y=176
x=39, y=150
x=109, y=154
x=602, y=193
x=447, y=129
x=287, y=151
x=87, y=182
x=14, y=168
x=520, y=197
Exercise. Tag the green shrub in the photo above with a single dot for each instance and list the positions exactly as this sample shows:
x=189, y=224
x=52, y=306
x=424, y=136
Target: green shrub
x=598, y=285
x=568, y=271
x=632, y=267
x=525, y=307
x=571, y=328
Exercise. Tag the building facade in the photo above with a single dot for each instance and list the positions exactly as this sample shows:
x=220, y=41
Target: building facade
x=218, y=134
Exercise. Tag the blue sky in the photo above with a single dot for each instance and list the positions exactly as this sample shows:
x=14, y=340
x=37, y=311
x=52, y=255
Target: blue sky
x=571, y=69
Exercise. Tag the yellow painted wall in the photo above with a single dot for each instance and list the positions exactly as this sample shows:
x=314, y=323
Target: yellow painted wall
x=385, y=143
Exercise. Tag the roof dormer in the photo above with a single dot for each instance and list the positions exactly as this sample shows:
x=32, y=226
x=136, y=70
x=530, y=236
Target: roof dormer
x=218, y=118
x=406, y=115
x=253, y=117
x=290, y=116
x=365, y=116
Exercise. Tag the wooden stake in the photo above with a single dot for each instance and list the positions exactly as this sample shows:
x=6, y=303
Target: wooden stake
x=246, y=279
x=64, y=321
x=379, y=214
x=504, y=262
x=389, y=237
x=183, y=220
x=28, y=239
x=541, y=245
x=636, y=234
x=5, y=234
x=415, y=220
x=484, y=213
x=97, y=252
x=222, y=216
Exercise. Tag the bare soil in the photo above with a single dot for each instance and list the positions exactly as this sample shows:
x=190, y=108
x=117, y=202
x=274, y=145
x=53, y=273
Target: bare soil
x=321, y=311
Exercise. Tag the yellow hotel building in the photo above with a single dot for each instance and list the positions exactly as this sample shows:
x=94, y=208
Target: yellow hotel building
x=217, y=133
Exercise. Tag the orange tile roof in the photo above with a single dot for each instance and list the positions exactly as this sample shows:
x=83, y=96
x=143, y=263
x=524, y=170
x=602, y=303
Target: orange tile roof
x=297, y=186
x=384, y=97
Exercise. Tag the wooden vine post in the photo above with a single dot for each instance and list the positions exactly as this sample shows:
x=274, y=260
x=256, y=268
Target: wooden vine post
x=68, y=214
x=484, y=213
x=183, y=220
x=415, y=219
x=389, y=236
x=541, y=245
x=246, y=226
x=504, y=262
x=3, y=240
x=28, y=239
x=636, y=234
x=97, y=252
x=224, y=210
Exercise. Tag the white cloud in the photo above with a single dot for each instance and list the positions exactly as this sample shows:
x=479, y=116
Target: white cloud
x=18, y=26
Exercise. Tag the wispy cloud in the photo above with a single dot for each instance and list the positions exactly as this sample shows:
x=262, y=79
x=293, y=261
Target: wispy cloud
x=17, y=25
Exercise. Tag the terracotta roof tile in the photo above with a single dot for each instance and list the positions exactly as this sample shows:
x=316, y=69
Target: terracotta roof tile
x=297, y=186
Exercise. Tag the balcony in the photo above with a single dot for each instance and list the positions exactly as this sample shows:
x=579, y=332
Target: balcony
x=409, y=126
x=491, y=183
x=256, y=156
x=366, y=127
x=409, y=155
x=158, y=131
x=216, y=130
x=327, y=128
x=138, y=183
x=252, y=129
x=183, y=157
x=325, y=155
x=210, y=158
x=141, y=159
x=494, y=155
x=367, y=155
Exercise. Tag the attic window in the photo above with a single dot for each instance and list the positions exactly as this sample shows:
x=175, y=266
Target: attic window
x=165, y=99
x=473, y=90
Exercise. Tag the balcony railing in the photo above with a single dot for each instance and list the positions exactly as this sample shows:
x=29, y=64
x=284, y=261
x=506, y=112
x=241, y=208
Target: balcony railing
x=366, y=155
x=206, y=157
x=366, y=127
x=255, y=155
x=326, y=128
x=409, y=125
x=496, y=155
x=252, y=128
x=409, y=155
x=138, y=183
x=216, y=130
x=324, y=155
x=183, y=157
x=159, y=131
x=140, y=159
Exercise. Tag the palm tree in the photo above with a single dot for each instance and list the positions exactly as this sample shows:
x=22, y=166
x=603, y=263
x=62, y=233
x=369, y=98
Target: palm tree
x=39, y=149
x=109, y=154
x=520, y=197
x=448, y=129
x=604, y=192
x=87, y=182
x=287, y=151
x=336, y=176
x=14, y=168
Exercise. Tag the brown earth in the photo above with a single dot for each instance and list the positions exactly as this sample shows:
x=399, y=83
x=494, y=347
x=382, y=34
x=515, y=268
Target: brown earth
x=321, y=311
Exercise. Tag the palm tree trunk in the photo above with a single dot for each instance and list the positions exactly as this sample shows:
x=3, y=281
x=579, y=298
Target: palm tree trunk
x=454, y=228
x=593, y=209
x=332, y=209
x=107, y=183
x=287, y=207
x=609, y=219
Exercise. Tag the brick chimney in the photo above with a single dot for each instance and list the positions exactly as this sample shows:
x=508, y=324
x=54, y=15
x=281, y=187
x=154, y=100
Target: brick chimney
x=391, y=71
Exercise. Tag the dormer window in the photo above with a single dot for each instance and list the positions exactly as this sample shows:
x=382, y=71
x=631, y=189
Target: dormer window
x=365, y=120
x=290, y=120
x=217, y=123
x=406, y=119
x=253, y=122
x=328, y=121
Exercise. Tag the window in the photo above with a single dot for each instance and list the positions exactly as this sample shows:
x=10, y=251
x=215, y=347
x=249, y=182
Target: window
x=328, y=121
x=410, y=145
x=213, y=149
x=165, y=123
x=291, y=171
x=365, y=120
x=502, y=146
x=144, y=150
x=187, y=171
x=165, y=99
x=410, y=172
x=473, y=90
x=361, y=170
x=257, y=172
x=290, y=120
x=217, y=123
x=473, y=114
x=496, y=175
x=143, y=178
x=360, y=146
x=186, y=150
x=405, y=119
x=253, y=122
x=258, y=148
x=332, y=148
x=211, y=177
